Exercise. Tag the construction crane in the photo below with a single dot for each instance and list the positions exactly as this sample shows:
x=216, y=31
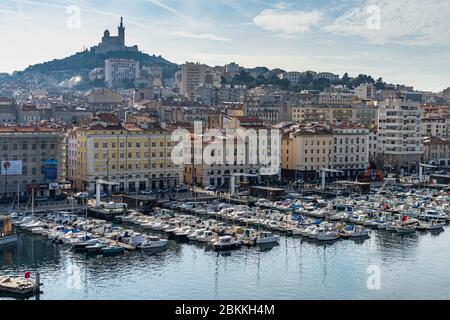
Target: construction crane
x=421, y=166
x=98, y=185
x=233, y=180
x=324, y=173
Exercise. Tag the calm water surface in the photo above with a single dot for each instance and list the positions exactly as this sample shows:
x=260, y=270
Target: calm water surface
x=412, y=267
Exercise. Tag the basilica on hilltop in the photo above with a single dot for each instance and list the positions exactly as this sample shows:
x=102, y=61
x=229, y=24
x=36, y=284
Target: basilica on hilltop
x=114, y=43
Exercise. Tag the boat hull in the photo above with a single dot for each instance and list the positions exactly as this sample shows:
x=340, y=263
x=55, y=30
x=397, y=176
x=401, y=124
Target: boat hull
x=8, y=239
x=222, y=247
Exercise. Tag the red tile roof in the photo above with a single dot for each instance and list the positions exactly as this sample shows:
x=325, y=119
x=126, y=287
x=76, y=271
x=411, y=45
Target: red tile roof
x=13, y=129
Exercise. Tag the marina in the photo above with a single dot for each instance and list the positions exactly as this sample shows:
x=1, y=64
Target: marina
x=349, y=233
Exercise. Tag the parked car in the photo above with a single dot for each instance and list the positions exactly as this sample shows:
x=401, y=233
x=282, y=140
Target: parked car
x=102, y=195
x=210, y=188
x=82, y=195
x=146, y=192
x=181, y=188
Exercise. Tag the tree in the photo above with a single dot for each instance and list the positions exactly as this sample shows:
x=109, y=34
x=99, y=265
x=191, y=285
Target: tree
x=345, y=80
x=321, y=84
x=380, y=84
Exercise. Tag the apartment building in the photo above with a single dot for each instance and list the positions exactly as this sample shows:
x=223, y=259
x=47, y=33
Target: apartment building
x=366, y=91
x=437, y=127
x=219, y=173
x=337, y=98
x=350, y=151
x=8, y=111
x=356, y=113
x=133, y=157
x=118, y=71
x=305, y=149
x=399, y=133
x=191, y=76
x=31, y=159
x=436, y=151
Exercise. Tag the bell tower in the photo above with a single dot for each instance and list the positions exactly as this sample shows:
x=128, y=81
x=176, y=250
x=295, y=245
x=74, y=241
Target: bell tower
x=121, y=32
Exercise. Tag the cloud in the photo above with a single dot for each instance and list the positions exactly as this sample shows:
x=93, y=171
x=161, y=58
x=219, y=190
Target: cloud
x=287, y=22
x=406, y=22
x=201, y=36
x=168, y=8
x=233, y=5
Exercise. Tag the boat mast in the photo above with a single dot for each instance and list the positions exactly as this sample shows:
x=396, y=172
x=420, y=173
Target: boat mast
x=32, y=203
x=18, y=197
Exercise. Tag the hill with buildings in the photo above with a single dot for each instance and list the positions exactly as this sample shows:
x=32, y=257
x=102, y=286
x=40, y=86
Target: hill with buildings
x=80, y=65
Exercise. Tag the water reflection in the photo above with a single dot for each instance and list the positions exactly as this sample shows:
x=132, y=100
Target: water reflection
x=296, y=268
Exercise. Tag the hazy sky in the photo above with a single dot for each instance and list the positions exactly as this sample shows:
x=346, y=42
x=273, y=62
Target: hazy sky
x=403, y=41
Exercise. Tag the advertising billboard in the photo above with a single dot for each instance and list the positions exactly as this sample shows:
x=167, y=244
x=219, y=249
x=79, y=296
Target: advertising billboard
x=50, y=170
x=12, y=168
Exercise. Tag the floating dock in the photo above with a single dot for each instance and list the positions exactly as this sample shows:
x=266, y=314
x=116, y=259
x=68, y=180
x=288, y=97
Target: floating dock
x=18, y=287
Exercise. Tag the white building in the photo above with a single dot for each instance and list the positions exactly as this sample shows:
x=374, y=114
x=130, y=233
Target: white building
x=191, y=76
x=337, y=98
x=437, y=127
x=350, y=151
x=119, y=70
x=293, y=77
x=399, y=135
x=374, y=151
x=327, y=75
x=232, y=68
x=366, y=91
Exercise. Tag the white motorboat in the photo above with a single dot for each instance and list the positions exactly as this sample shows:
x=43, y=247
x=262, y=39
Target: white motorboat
x=355, y=231
x=38, y=230
x=135, y=239
x=306, y=230
x=152, y=242
x=147, y=226
x=157, y=226
x=196, y=234
x=226, y=243
x=432, y=225
x=312, y=234
x=297, y=231
x=429, y=215
x=323, y=235
x=266, y=237
x=25, y=220
x=32, y=225
x=207, y=237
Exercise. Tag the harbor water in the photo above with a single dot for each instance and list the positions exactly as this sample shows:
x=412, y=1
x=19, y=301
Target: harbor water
x=385, y=266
